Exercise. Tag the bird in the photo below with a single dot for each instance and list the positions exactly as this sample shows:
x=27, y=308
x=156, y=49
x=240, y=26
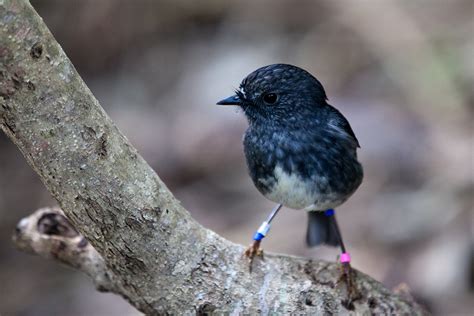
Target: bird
x=301, y=152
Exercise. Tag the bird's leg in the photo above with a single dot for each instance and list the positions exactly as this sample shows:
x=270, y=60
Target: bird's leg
x=347, y=274
x=254, y=249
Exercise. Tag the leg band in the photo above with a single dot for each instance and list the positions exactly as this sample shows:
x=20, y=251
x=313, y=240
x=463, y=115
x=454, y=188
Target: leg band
x=329, y=212
x=345, y=257
x=262, y=231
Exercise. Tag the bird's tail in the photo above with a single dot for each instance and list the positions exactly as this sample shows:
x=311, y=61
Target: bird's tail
x=321, y=230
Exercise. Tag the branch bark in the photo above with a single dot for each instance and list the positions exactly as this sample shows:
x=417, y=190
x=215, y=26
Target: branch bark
x=49, y=234
x=143, y=244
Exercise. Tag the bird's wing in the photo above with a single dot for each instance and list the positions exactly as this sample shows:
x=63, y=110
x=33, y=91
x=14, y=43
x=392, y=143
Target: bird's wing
x=338, y=122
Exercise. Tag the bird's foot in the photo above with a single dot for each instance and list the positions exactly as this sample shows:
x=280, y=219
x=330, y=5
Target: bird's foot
x=347, y=277
x=252, y=251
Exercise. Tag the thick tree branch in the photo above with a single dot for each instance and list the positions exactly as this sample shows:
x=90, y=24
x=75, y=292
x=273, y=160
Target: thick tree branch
x=155, y=254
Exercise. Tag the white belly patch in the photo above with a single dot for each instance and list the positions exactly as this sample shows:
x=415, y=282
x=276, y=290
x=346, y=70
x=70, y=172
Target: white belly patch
x=291, y=191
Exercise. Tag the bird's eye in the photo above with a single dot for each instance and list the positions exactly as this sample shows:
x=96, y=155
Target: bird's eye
x=270, y=98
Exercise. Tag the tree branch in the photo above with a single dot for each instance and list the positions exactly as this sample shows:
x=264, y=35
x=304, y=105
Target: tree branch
x=48, y=233
x=155, y=254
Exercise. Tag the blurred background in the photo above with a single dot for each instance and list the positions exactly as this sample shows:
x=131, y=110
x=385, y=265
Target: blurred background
x=402, y=72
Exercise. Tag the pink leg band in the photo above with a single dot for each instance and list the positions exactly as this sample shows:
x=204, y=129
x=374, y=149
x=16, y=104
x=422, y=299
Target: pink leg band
x=345, y=257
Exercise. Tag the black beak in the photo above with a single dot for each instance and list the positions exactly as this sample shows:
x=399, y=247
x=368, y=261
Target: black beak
x=232, y=100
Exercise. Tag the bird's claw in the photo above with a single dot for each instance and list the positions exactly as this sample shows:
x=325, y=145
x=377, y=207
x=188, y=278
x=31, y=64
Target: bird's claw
x=253, y=251
x=347, y=276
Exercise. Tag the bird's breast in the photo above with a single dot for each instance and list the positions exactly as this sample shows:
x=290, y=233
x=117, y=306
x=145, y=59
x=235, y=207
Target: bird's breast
x=292, y=190
x=301, y=172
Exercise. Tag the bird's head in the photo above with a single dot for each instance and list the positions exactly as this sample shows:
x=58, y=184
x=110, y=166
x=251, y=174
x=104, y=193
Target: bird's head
x=278, y=92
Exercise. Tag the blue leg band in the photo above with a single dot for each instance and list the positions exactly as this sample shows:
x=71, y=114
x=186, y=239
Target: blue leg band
x=258, y=236
x=329, y=212
x=262, y=231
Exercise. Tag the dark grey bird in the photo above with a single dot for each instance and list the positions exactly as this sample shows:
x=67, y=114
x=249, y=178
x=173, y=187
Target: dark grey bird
x=301, y=152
